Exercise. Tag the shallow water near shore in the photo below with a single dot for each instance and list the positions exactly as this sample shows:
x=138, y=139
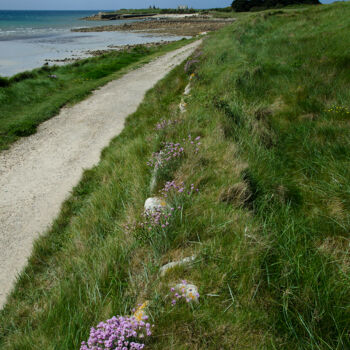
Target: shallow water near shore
x=29, y=38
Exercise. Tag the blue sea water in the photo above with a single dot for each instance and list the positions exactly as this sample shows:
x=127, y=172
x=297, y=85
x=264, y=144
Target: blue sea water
x=29, y=38
x=28, y=24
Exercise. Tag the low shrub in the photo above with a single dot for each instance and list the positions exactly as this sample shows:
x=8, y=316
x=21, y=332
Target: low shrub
x=4, y=82
x=22, y=76
x=26, y=128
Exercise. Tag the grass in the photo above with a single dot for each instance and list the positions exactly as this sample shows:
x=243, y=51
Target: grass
x=29, y=98
x=269, y=225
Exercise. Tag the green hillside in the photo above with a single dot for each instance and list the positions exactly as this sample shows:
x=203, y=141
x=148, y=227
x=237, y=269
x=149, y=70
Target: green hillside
x=268, y=226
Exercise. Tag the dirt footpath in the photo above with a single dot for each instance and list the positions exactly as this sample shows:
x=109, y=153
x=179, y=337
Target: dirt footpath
x=38, y=172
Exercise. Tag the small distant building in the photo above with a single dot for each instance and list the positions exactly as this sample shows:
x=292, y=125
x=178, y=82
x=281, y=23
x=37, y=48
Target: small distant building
x=182, y=7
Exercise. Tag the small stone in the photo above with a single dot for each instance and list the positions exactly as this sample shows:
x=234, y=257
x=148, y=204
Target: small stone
x=154, y=203
x=187, y=89
x=140, y=313
x=182, y=106
x=164, y=269
x=153, y=182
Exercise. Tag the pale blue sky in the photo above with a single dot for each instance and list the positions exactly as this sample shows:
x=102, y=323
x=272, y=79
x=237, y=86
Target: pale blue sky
x=108, y=4
x=105, y=4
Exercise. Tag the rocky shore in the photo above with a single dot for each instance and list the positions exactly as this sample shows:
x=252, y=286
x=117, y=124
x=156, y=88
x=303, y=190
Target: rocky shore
x=126, y=48
x=108, y=16
x=179, y=26
x=111, y=48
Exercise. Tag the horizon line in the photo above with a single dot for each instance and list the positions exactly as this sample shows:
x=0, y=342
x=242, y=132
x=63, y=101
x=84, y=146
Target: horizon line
x=136, y=8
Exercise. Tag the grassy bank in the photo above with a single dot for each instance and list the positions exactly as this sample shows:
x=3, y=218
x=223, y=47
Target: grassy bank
x=29, y=98
x=269, y=224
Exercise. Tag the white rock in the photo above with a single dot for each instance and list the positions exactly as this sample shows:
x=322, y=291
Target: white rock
x=164, y=269
x=187, y=89
x=140, y=313
x=153, y=182
x=182, y=106
x=189, y=291
x=154, y=203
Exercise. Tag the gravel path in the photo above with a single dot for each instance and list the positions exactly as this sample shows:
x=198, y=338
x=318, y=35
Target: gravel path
x=38, y=172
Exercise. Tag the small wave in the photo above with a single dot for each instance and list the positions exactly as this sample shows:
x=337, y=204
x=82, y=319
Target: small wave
x=28, y=33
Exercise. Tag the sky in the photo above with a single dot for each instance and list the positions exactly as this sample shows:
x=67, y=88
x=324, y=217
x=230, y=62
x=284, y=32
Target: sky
x=109, y=4
x=105, y=4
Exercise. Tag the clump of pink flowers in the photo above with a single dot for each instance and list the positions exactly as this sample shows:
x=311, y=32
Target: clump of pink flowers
x=171, y=151
x=158, y=217
x=194, y=142
x=165, y=123
x=118, y=333
x=183, y=294
x=172, y=186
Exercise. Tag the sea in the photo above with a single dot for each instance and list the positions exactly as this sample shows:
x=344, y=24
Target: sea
x=29, y=39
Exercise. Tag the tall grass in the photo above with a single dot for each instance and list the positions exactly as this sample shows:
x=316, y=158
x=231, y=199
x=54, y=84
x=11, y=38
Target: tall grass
x=289, y=88
x=269, y=225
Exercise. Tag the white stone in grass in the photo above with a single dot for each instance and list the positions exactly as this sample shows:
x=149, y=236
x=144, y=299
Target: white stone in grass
x=188, y=291
x=153, y=182
x=154, y=203
x=182, y=106
x=140, y=313
x=165, y=268
x=187, y=89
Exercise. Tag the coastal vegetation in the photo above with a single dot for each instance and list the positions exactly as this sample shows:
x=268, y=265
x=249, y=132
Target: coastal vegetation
x=264, y=138
x=258, y=5
x=29, y=98
x=166, y=26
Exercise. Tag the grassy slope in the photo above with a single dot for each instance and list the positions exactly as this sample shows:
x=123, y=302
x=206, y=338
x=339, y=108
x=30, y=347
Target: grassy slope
x=33, y=97
x=278, y=262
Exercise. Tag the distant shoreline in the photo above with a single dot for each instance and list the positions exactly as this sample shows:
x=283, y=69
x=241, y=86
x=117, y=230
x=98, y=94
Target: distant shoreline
x=46, y=36
x=181, y=25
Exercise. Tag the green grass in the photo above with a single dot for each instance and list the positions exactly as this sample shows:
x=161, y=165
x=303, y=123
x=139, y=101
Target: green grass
x=269, y=225
x=29, y=98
